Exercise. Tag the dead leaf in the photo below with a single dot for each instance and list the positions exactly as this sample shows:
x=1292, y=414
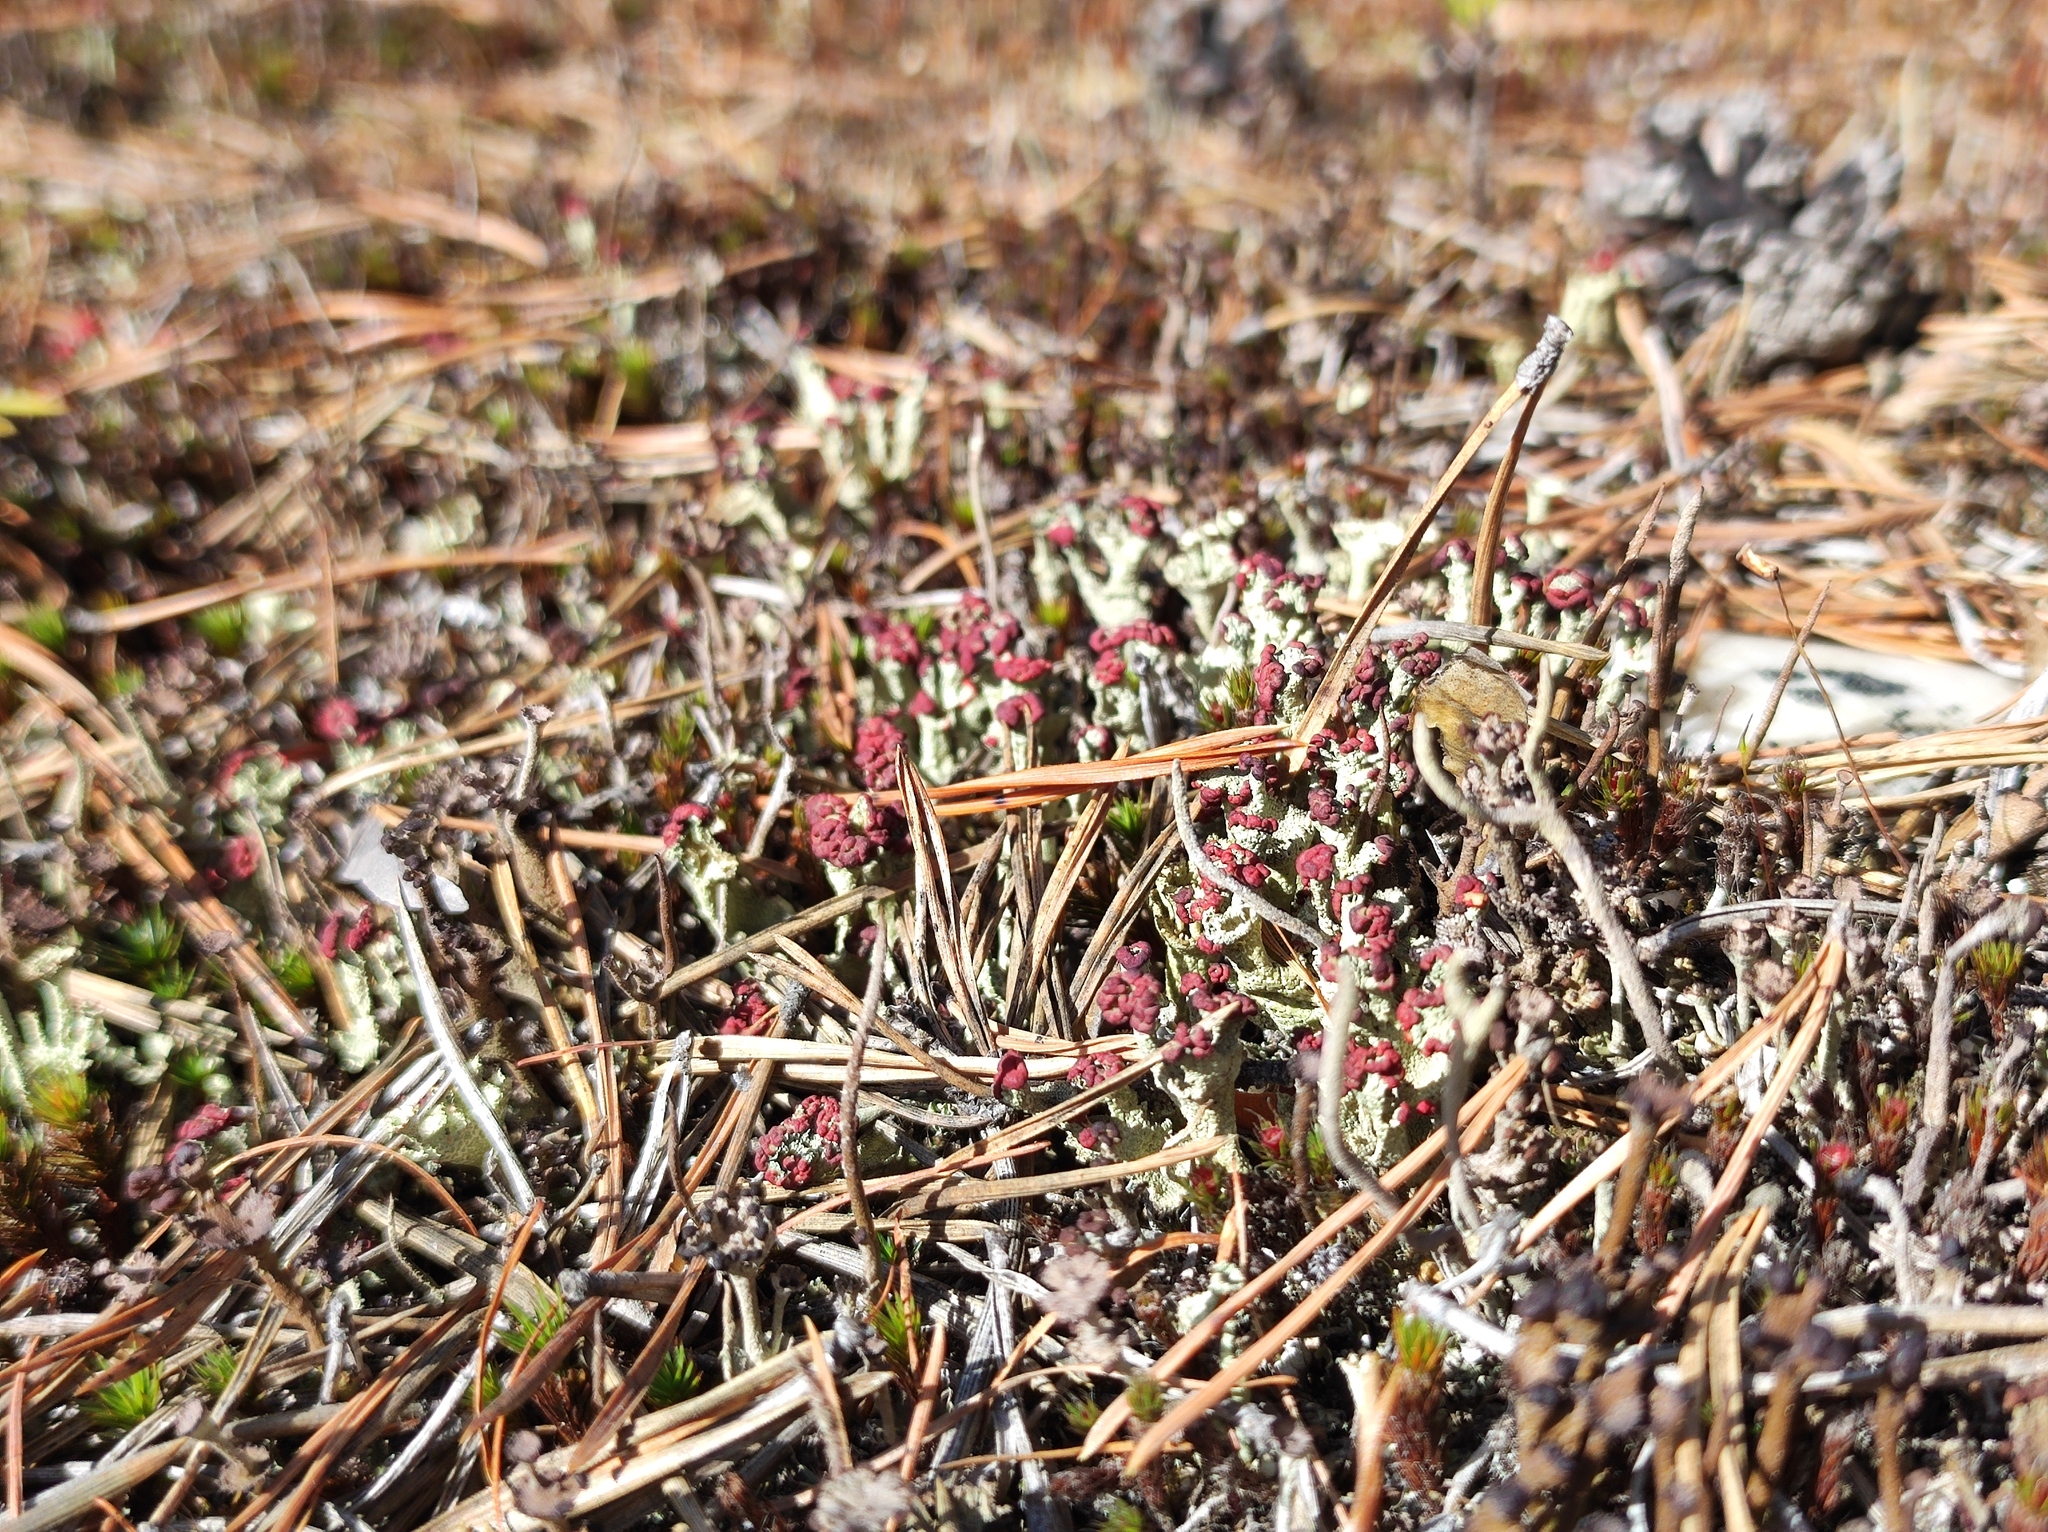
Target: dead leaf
x=1460, y=696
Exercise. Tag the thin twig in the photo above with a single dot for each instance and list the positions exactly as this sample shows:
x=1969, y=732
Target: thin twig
x=2014, y=920
x=1664, y=639
x=1472, y=1020
x=1770, y=712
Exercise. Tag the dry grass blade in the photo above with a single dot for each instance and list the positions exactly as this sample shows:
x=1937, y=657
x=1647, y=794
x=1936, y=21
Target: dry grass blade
x=505, y=890
x=1486, y=549
x=1052, y=907
x=938, y=911
x=549, y=554
x=1048, y=784
x=1130, y=898
x=820, y=914
x=849, y=1110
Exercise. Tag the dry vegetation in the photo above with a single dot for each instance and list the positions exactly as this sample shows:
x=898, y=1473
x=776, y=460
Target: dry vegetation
x=706, y=708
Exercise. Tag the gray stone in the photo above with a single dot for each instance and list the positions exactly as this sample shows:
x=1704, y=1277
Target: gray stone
x=1718, y=195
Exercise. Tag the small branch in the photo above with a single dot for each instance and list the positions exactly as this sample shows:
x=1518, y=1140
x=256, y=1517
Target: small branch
x=927, y=1400
x=778, y=795
x=1791, y=664
x=1628, y=1189
x=1439, y=1310
x=1487, y=548
x=1554, y=827
x=1370, y=1398
x=1665, y=641
x=1297, y=1137
x=1697, y=927
x=442, y=1035
x=1886, y=1196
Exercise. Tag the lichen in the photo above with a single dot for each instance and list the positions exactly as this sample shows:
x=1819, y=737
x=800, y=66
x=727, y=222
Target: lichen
x=701, y=855
x=56, y=1039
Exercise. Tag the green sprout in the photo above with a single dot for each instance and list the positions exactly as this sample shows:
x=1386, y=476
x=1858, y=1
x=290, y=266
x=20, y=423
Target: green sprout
x=149, y=945
x=1469, y=14
x=60, y=1098
x=529, y=1333
x=294, y=970
x=1127, y=818
x=1420, y=1345
x=1146, y=1399
x=678, y=739
x=223, y=627
x=126, y=681
x=1123, y=1516
x=121, y=1406
x=45, y=624
x=675, y=1380
x=151, y=938
x=1995, y=965
x=897, y=1322
x=191, y=1069
x=1080, y=1412
x=213, y=1371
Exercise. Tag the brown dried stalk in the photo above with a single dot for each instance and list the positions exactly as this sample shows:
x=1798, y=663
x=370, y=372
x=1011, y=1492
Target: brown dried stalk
x=1473, y=1019
x=1486, y=547
x=1641, y=1143
x=1664, y=642
x=927, y=1401
x=505, y=889
x=938, y=910
x=1371, y=1399
x=548, y=553
x=1536, y=370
